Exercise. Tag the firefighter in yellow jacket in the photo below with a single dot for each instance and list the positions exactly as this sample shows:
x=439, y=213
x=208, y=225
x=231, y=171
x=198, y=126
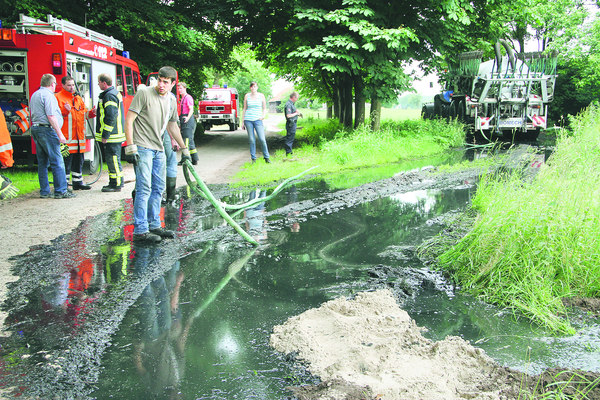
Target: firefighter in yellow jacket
x=72, y=107
x=110, y=122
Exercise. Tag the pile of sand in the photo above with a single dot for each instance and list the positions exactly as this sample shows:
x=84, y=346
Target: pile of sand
x=370, y=341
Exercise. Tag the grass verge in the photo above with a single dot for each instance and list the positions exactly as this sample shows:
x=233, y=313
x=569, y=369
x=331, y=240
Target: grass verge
x=26, y=180
x=335, y=150
x=23, y=178
x=534, y=243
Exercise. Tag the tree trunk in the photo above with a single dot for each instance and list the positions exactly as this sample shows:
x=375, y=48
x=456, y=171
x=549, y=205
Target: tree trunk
x=338, y=107
x=347, y=100
x=359, y=101
x=375, y=113
x=336, y=101
x=331, y=93
x=519, y=35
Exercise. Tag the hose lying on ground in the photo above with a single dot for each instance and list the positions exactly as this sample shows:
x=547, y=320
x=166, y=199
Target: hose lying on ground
x=199, y=187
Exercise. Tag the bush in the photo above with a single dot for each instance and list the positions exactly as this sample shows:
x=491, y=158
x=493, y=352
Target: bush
x=317, y=131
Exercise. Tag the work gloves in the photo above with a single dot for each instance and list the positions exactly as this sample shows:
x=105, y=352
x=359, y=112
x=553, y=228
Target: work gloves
x=185, y=155
x=64, y=150
x=132, y=154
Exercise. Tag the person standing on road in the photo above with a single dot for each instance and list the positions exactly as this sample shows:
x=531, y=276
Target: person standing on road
x=74, y=113
x=47, y=121
x=291, y=118
x=152, y=110
x=109, y=130
x=171, y=147
x=255, y=111
x=187, y=121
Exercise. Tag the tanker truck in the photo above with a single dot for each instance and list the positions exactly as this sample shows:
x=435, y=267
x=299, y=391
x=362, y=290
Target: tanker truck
x=507, y=96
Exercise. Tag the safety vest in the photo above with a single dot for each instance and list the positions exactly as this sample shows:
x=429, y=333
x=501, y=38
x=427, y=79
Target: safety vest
x=74, y=120
x=110, y=122
x=6, y=149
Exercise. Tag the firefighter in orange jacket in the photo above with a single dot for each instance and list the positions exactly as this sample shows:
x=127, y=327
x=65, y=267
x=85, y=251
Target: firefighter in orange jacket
x=74, y=113
x=6, y=149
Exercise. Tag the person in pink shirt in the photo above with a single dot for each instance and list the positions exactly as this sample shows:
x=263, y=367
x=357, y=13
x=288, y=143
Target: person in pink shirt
x=187, y=120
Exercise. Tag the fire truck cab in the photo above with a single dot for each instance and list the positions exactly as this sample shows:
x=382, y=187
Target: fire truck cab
x=61, y=48
x=219, y=106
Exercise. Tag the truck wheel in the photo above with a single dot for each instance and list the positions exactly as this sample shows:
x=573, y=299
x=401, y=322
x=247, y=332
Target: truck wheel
x=206, y=127
x=427, y=111
x=232, y=126
x=533, y=134
x=453, y=113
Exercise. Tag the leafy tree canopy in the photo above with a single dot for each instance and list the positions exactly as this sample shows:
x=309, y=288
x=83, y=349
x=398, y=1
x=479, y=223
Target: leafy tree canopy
x=155, y=32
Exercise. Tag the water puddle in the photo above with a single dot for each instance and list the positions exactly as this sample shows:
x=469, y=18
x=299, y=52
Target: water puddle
x=192, y=319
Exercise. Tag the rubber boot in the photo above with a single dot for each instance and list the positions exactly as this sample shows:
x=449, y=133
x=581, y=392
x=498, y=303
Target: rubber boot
x=171, y=189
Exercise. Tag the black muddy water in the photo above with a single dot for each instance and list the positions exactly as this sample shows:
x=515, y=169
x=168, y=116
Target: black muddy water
x=95, y=316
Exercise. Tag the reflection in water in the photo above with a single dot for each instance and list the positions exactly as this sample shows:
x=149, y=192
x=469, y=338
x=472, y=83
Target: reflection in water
x=158, y=347
x=292, y=197
x=255, y=216
x=228, y=307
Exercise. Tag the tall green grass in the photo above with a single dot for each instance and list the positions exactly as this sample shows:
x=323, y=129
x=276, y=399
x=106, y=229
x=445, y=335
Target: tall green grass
x=535, y=243
x=336, y=150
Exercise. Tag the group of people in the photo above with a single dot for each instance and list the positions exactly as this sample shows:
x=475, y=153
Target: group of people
x=58, y=126
x=58, y=130
x=150, y=129
x=255, y=111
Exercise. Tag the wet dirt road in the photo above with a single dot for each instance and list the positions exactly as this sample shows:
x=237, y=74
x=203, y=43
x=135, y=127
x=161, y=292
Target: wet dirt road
x=30, y=221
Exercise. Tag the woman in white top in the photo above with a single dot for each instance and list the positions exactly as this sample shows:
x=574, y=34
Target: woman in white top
x=255, y=110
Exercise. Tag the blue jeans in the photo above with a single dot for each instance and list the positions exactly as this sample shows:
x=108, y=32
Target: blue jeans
x=150, y=174
x=171, y=156
x=256, y=126
x=48, y=154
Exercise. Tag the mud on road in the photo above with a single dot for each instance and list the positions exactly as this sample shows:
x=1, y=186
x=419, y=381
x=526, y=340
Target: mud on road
x=30, y=221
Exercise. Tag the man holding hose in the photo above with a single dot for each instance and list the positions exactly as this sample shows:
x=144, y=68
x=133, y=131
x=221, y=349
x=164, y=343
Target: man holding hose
x=152, y=110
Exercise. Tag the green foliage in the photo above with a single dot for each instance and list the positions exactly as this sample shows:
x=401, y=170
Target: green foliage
x=319, y=131
x=578, y=82
x=248, y=69
x=155, y=33
x=350, y=150
x=534, y=243
x=574, y=89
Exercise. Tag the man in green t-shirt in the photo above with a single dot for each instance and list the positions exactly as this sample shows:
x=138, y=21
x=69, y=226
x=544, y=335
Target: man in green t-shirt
x=152, y=110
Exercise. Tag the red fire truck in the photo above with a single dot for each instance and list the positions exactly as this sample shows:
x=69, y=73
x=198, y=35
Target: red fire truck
x=61, y=48
x=218, y=106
